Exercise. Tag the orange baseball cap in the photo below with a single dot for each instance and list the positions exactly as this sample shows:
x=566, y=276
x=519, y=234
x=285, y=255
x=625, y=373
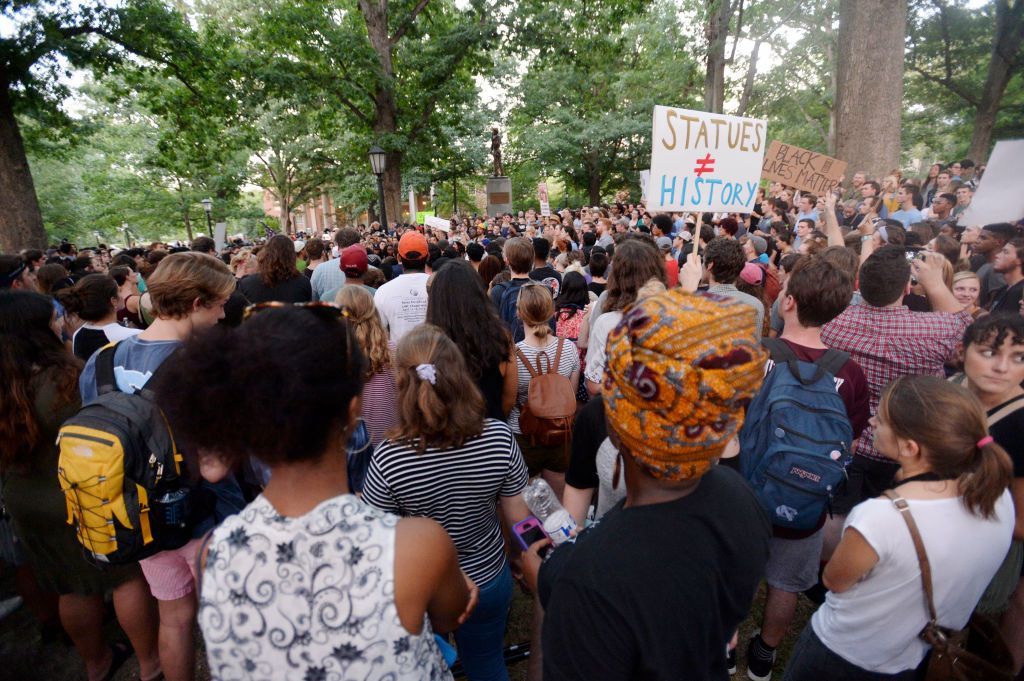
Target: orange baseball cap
x=412, y=246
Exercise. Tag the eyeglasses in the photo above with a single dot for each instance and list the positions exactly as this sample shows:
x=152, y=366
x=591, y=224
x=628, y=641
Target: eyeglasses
x=324, y=309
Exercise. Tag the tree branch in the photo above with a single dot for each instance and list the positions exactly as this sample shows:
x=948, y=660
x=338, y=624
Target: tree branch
x=404, y=26
x=948, y=84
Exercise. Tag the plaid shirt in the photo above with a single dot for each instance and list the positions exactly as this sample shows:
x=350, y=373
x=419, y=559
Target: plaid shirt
x=890, y=342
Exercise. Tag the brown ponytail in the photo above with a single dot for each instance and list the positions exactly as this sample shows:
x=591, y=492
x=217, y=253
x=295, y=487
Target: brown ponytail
x=947, y=422
x=90, y=298
x=535, y=308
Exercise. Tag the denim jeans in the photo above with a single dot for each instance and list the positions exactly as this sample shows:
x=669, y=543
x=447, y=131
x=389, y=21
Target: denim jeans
x=812, y=660
x=481, y=639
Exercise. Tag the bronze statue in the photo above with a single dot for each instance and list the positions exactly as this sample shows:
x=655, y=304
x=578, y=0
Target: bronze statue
x=499, y=169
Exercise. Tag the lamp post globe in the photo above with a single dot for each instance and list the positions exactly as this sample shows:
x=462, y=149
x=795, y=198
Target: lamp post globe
x=208, y=207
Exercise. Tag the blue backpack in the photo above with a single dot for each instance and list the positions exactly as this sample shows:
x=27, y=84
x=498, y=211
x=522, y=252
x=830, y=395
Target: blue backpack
x=507, y=311
x=796, y=439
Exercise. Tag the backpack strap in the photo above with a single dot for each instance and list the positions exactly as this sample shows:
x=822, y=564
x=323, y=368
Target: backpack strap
x=106, y=382
x=147, y=390
x=558, y=354
x=529, y=367
x=831, y=362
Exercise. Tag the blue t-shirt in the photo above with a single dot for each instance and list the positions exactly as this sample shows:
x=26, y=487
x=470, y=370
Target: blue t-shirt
x=907, y=217
x=135, y=362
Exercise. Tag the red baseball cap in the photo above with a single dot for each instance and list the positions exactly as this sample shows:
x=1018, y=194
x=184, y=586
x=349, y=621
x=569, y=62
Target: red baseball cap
x=413, y=246
x=354, y=262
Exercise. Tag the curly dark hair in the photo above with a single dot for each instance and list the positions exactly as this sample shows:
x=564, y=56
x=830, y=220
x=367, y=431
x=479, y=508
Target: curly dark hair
x=292, y=356
x=29, y=348
x=725, y=258
x=276, y=260
x=994, y=329
x=459, y=306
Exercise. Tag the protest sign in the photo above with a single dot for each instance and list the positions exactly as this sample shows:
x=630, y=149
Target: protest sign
x=219, y=232
x=438, y=223
x=705, y=162
x=542, y=196
x=999, y=197
x=422, y=215
x=806, y=170
x=645, y=179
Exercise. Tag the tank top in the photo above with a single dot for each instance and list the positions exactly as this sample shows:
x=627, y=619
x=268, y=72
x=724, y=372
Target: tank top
x=311, y=597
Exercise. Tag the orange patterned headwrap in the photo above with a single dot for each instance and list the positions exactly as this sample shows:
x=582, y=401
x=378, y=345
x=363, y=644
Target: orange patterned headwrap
x=680, y=369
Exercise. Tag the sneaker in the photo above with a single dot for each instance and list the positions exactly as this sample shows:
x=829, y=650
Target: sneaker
x=758, y=669
x=730, y=661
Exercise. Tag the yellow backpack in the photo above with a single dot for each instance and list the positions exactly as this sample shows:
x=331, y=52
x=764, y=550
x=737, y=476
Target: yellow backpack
x=120, y=471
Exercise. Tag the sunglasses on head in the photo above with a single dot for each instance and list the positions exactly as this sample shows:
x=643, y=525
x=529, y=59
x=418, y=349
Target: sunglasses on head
x=323, y=309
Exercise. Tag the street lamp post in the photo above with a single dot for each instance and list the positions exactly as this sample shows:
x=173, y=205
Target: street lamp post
x=208, y=207
x=378, y=163
x=433, y=199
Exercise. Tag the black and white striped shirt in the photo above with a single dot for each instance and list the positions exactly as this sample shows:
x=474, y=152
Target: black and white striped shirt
x=458, y=488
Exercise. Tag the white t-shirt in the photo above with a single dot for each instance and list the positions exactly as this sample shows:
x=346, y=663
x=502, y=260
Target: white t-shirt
x=597, y=355
x=875, y=624
x=402, y=303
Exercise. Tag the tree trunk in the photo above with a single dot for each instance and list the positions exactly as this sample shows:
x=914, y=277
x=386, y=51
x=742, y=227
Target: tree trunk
x=282, y=215
x=869, y=84
x=1006, y=46
x=393, y=187
x=716, y=32
x=21, y=223
x=188, y=223
x=748, y=81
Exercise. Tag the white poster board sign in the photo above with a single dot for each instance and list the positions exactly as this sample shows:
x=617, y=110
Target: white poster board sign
x=999, y=197
x=219, y=232
x=645, y=179
x=438, y=223
x=542, y=196
x=704, y=162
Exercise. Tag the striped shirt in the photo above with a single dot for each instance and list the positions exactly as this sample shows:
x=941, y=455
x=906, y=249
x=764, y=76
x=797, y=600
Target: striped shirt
x=569, y=362
x=458, y=488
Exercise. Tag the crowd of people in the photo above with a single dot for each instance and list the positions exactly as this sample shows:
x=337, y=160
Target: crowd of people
x=362, y=415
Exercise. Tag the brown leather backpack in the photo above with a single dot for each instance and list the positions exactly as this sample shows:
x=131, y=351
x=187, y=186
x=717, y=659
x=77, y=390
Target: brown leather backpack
x=550, y=409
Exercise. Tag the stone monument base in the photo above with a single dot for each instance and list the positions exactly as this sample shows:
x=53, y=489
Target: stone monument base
x=499, y=196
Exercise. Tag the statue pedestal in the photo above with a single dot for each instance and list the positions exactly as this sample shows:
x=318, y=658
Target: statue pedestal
x=499, y=196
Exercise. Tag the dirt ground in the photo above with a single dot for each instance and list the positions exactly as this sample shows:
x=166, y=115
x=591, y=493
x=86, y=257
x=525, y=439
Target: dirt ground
x=23, y=656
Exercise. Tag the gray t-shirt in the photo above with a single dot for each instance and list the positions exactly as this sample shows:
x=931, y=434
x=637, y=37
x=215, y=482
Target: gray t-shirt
x=135, y=362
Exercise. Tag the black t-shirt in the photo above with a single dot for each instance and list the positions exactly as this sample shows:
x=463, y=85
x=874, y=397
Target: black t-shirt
x=598, y=289
x=588, y=433
x=87, y=341
x=234, y=309
x=548, y=276
x=1007, y=298
x=1009, y=433
x=294, y=290
x=492, y=385
x=656, y=592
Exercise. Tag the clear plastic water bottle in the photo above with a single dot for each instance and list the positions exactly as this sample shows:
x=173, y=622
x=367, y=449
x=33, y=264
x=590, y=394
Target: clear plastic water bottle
x=558, y=523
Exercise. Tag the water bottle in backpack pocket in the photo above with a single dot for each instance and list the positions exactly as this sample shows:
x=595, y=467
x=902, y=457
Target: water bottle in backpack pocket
x=795, y=442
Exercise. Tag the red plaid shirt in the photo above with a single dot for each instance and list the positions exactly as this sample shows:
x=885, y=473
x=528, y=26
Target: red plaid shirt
x=890, y=342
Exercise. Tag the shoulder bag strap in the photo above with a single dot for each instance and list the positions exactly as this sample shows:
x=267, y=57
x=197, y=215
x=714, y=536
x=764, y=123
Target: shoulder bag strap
x=1006, y=411
x=526, y=361
x=922, y=556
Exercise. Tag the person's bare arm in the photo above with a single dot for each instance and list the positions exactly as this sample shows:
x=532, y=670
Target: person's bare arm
x=867, y=246
x=853, y=558
x=577, y=503
x=510, y=386
x=928, y=270
x=835, y=235
x=428, y=578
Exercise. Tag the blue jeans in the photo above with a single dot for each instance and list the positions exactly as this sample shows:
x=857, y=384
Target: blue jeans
x=812, y=660
x=481, y=639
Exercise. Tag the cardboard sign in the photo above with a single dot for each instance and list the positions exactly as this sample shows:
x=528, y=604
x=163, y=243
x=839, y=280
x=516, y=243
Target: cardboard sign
x=542, y=196
x=806, y=170
x=999, y=197
x=437, y=223
x=704, y=162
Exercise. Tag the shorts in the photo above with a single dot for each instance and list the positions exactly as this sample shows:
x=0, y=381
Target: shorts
x=865, y=479
x=554, y=459
x=793, y=563
x=172, y=574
